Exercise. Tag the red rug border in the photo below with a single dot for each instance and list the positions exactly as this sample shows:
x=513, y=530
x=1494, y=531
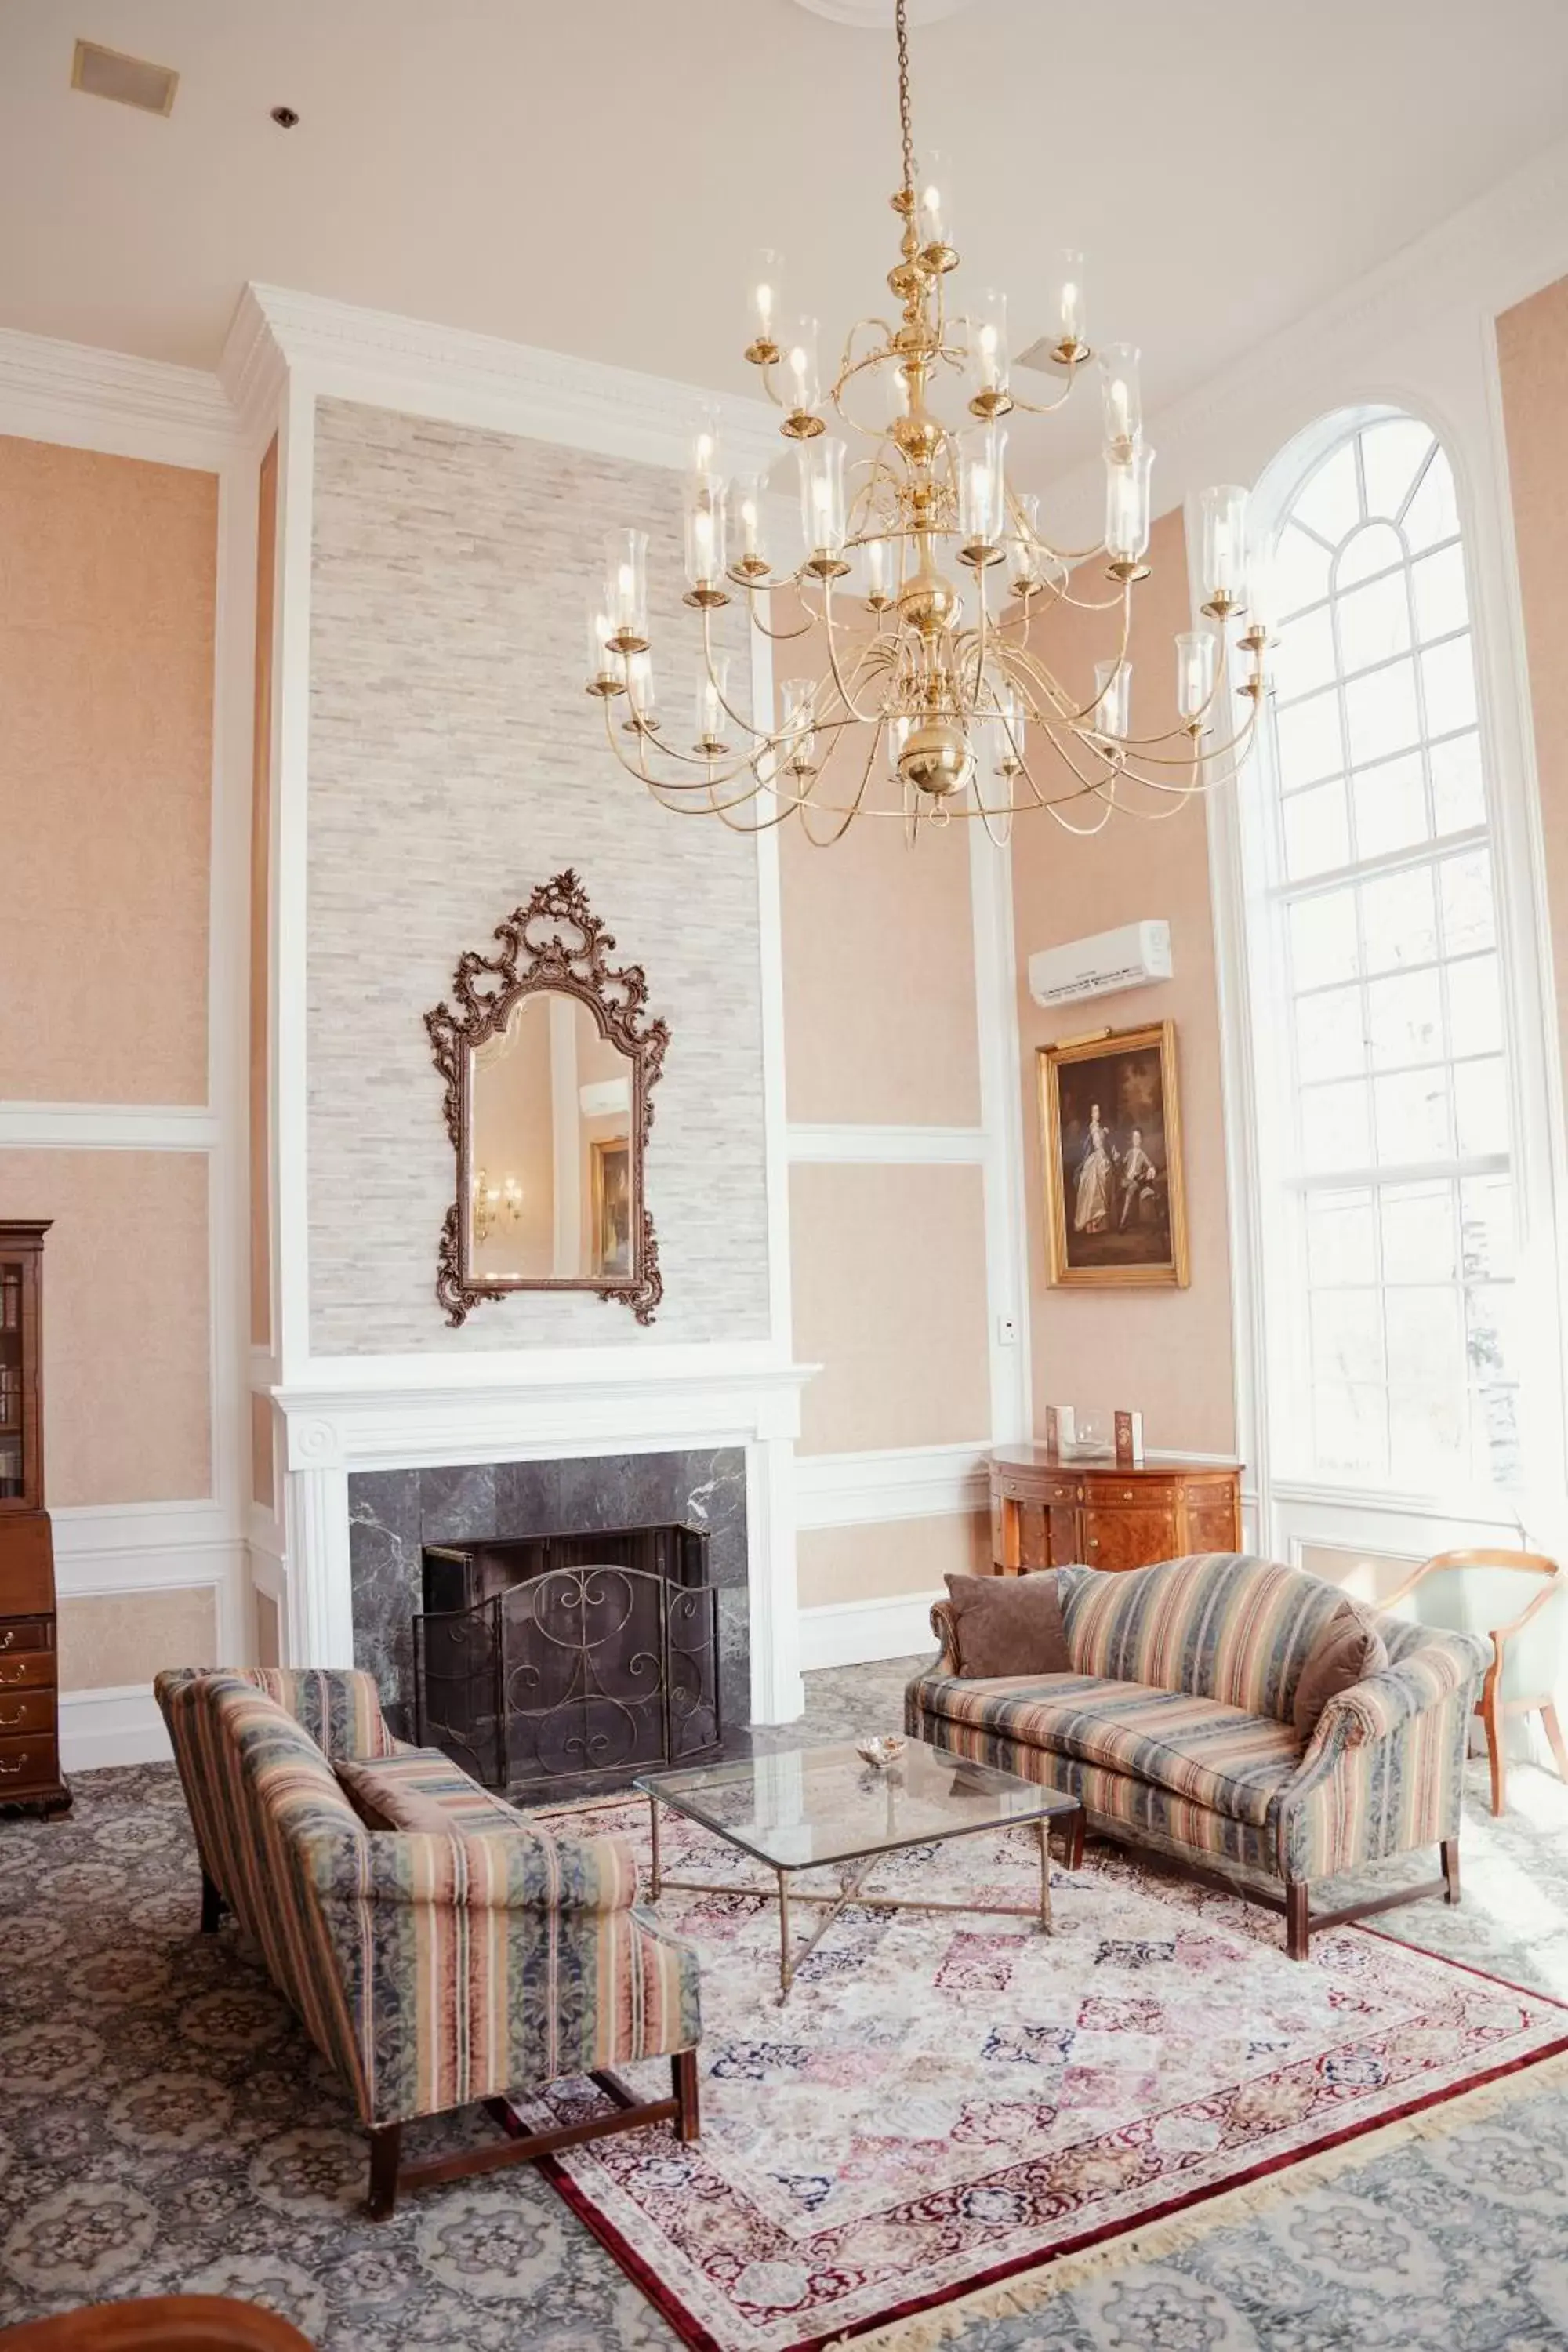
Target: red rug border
x=692, y=2333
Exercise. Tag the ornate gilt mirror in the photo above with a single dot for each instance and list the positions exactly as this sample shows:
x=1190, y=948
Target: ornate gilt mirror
x=550, y=1061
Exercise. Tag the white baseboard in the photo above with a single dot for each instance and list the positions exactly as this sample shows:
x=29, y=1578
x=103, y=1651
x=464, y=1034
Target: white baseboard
x=854, y=1633
x=112, y=1727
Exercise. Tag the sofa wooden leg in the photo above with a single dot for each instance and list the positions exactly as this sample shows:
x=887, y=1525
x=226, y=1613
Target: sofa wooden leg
x=1297, y=1918
x=1449, y=1850
x=386, y=2147
x=211, y=1907
x=1076, y=1825
x=688, y=2122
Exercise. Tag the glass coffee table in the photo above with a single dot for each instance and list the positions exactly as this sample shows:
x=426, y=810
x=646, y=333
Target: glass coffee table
x=811, y=1808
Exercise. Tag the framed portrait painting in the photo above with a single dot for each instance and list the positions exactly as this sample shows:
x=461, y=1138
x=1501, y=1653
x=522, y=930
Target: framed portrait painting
x=612, y=1247
x=1110, y=1133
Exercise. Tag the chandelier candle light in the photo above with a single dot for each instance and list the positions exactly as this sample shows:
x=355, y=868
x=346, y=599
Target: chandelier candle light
x=931, y=680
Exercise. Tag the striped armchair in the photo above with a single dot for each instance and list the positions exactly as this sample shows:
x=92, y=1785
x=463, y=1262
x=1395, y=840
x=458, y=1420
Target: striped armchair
x=1175, y=1729
x=432, y=1967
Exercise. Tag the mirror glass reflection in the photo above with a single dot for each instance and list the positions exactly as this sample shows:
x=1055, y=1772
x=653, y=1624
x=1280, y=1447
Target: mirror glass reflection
x=551, y=1186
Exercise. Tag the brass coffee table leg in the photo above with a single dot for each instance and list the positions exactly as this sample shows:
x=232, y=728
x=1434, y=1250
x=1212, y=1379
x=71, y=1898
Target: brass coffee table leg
x=655, y=1882
x=786, y=1969
x=1043, y=1828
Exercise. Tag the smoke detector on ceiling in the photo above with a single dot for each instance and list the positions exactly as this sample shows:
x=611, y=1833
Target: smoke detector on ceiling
x=130, y=81
x=876, y=16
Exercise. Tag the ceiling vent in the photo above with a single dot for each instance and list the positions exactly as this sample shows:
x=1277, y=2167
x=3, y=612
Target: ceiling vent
x=130, y=81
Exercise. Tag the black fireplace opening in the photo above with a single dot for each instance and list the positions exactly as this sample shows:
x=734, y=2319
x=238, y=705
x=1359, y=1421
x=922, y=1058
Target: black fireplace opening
x=558, y=1663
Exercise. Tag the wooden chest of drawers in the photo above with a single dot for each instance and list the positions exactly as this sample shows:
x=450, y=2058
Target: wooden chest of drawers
x=29, y=1740
x=1048, y=1513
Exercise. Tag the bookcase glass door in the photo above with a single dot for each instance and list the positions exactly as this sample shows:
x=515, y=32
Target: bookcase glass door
x=14, y=1402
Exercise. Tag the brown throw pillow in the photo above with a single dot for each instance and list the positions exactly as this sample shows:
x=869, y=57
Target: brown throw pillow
x=1346, y=1650
x=1009, y=1625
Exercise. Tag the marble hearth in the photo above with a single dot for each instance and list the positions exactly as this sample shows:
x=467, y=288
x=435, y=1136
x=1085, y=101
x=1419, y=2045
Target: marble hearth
x=394, y=1513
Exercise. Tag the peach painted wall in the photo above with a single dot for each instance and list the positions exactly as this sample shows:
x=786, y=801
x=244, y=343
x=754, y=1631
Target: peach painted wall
x=890, y=1298
x=1532, y=359
x=880, y=1019
x=1166, y=1352
x=127, y=1413
x=893, y=1557
x=111, y=1640
x=107, y=592
x=260, y=895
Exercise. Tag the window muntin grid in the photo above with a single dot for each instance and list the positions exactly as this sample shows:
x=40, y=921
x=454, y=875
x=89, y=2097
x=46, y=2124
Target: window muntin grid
x=1399, y=1196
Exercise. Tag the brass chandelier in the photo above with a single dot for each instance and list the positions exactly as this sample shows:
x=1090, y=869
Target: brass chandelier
x=934, y=675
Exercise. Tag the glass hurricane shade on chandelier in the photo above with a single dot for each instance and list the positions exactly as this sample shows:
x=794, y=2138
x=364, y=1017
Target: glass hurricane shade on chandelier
x=940, y=682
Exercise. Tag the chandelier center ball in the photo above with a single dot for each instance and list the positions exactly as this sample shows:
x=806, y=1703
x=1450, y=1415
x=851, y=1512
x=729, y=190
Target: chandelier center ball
x=936, y=760
x=928, y=603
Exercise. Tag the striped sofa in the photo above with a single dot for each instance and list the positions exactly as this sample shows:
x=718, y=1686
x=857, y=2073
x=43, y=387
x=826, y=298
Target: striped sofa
x=1175, y=1729
x=432, y=1967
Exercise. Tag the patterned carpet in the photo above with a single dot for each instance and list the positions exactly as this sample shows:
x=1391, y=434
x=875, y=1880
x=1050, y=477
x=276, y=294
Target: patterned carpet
x=114, y=2017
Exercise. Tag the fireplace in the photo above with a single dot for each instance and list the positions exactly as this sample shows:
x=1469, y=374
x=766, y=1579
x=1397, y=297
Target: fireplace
x=398, y=1517
x=581, y=1656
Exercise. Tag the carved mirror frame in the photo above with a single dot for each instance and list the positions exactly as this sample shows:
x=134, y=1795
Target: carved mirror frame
x=555, y=944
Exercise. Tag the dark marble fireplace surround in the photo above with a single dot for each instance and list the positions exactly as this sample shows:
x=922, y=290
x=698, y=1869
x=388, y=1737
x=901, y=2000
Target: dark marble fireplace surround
x=394, y=1513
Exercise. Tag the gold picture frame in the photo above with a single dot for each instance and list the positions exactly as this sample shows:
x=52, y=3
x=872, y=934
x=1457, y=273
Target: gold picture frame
x=1110, y=1141
x=612, y=1205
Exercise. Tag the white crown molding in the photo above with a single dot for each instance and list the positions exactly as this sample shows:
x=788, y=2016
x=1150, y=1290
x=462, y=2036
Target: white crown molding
x=83, y=398
x=252, y=369
x=388, y=360
x=876, y=16
x=1495, y=252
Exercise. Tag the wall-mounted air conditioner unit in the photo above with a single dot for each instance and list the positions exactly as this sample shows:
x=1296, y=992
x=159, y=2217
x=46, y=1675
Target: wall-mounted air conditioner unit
x=1130, y=957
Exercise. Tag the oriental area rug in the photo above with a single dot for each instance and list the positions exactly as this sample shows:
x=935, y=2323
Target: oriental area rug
x=1152, y=2131
x=945, y=2101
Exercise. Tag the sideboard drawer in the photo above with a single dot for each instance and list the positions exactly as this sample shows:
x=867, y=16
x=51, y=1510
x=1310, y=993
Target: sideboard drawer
x=30, y=1711
x=1029, y=1489
x=28, y=1762
x=28, y=1670
x=25, y=1633
x=1107, y=1491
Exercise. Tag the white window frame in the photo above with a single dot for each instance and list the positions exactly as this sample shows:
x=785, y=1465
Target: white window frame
x=1290, y=1516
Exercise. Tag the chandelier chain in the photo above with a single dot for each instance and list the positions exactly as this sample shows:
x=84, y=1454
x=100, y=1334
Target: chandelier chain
x=905, y=127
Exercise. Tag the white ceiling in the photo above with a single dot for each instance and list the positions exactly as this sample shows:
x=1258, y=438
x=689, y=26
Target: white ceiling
x=593, y=177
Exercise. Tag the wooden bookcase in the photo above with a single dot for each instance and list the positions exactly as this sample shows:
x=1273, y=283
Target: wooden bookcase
x=29, y=1726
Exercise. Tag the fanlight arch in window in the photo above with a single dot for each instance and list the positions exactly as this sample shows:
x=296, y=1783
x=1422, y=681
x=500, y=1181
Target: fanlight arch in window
x=1384, y=1144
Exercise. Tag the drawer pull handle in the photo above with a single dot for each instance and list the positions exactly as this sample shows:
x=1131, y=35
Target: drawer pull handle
x=1127, y=1494
x=14, y=1675
x=7, y=1772
x=14, y=1722
x=7, y=1637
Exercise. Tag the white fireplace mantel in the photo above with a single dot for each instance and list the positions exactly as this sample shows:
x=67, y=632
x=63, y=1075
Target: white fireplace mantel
x=355, y=1413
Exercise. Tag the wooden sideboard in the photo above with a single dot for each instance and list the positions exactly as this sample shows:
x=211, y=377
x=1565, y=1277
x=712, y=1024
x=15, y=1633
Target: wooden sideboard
x=29, y=1738
x=1046, y=1512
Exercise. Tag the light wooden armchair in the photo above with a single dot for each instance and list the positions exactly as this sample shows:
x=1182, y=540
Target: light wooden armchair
x=1486, y=1592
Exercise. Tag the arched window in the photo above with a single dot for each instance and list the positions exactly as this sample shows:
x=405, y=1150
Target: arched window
x=1383, y=1086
